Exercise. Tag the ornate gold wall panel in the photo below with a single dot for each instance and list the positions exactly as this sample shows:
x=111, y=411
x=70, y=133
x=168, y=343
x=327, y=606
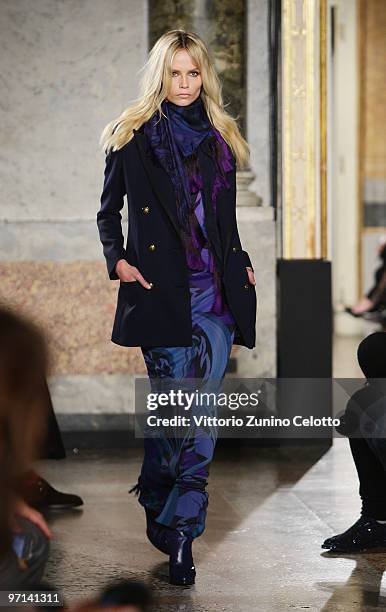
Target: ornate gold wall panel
x=304, y=213
x=371, y=28
x=323, y=129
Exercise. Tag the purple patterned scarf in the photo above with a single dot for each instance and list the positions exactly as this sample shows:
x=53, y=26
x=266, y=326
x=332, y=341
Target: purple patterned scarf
x=174, y=143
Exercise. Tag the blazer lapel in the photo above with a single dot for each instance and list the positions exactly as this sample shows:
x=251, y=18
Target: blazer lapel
x=159, y=181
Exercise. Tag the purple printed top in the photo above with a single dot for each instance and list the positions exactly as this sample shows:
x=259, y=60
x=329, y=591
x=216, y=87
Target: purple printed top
x=204, y=278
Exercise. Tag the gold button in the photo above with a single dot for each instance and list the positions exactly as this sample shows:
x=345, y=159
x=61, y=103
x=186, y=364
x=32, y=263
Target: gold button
x=151, y=247
x=151, y=285
x=145, y=209
x=246, y=286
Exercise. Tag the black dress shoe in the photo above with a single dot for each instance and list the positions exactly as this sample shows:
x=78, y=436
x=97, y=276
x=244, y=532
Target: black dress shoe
x=181, y=566
x=354, y=314
x=38, y=493
x=371, y=311
x=365, y=534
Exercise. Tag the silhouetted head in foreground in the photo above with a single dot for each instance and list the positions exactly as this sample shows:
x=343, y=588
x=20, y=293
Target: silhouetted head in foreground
x=126, y=593
x=371, y=355
x=23, y=409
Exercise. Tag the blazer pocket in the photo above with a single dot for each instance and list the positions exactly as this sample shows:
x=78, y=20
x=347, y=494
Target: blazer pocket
x=240, y=258
x=247, y=259
x=128, y=291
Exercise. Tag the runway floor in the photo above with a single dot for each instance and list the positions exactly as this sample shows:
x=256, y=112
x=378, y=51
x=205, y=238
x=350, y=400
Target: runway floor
x=269, y=511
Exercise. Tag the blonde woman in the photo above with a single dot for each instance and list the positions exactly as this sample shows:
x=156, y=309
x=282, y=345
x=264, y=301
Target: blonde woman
x=187, y=288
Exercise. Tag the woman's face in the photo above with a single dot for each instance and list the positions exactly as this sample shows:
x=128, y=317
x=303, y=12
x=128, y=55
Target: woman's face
x=185, y=80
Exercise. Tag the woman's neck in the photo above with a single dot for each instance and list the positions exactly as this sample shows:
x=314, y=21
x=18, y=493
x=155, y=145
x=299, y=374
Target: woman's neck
x=195, y=102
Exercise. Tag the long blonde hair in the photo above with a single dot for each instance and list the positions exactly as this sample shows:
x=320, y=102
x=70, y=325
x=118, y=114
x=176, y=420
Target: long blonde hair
x=154, y=88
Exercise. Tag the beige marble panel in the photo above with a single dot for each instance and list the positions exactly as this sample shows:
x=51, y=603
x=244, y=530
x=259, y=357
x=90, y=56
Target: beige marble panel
x=74, y=303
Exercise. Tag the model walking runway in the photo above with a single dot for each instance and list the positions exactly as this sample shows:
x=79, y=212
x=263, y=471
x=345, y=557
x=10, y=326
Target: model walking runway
x=186, y=285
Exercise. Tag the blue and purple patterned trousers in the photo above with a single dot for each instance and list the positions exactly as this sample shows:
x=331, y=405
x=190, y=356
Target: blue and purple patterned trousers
x=174, y=472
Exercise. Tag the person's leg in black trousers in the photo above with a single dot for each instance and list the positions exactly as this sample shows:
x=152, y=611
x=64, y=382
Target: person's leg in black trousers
x=369, y=531
x=52, y=446
x=36, y=490
x=372, y=479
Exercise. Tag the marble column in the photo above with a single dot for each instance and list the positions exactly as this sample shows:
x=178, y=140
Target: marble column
x=221, y=24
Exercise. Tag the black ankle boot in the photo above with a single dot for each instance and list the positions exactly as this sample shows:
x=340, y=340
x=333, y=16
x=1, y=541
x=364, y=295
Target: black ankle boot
x=156, y=533
x=365, y=534
x=181, y=566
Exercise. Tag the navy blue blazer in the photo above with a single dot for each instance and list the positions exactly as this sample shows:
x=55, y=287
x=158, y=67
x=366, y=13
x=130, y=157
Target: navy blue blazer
x=161, y=316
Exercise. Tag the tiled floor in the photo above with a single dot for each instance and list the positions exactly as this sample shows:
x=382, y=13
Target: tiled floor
x=269, y=511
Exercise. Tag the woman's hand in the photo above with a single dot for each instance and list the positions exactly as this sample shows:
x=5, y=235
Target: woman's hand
x=130, y=274
x=251, y=276
x=20, y=508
